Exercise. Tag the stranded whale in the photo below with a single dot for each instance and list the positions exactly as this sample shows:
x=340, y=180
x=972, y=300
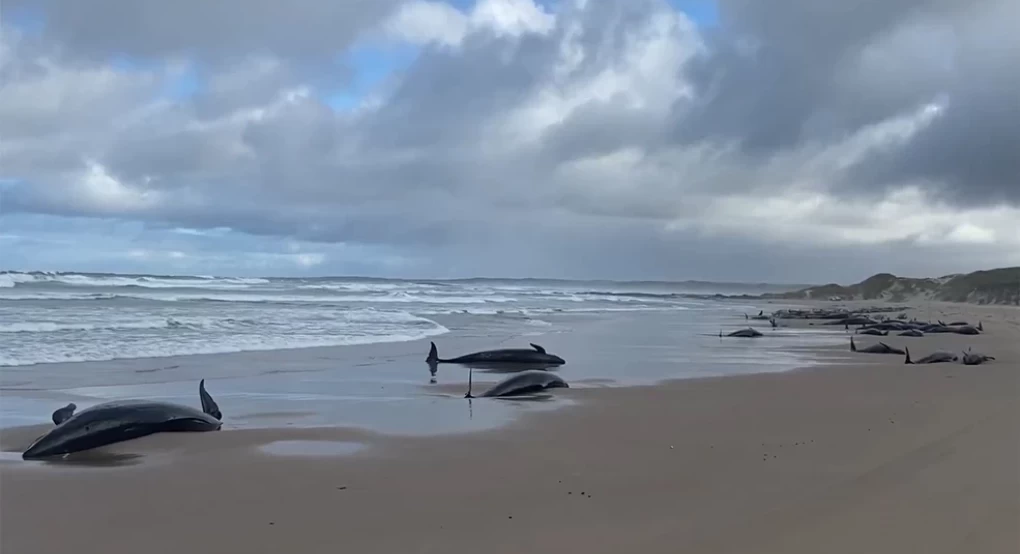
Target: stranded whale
x=747, y=333
x=933, y=358
x=975, y=358
x=535, y=355
x=523, y=383
x=880, y=348
x=122, y=420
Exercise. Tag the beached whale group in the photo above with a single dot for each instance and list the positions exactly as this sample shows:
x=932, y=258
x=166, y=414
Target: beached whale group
x=879, y=326
x=122, y=420
x=940, y=356
x=530, y=366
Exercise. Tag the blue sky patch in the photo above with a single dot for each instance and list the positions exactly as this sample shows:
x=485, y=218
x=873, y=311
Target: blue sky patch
x=371, y=65
x=705, y=13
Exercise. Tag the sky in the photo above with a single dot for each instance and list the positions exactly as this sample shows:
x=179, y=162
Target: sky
x=732, y=140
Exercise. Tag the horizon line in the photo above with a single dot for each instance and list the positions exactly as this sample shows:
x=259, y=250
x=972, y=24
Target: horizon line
x=446, y=279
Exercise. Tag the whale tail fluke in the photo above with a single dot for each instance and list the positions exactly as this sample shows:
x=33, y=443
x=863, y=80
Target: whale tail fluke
x=907, y=359
x=208, y=404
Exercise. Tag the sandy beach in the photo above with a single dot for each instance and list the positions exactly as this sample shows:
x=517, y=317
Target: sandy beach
x=862, y=455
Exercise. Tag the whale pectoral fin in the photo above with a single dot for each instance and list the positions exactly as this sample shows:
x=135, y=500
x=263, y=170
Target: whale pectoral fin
x=63, y=414
x=537, y=347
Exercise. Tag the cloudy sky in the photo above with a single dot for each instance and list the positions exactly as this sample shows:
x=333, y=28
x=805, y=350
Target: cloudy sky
x=784, y=141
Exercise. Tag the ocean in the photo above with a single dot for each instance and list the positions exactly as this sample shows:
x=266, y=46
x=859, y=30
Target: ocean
x=69, y=317
x=350, y=351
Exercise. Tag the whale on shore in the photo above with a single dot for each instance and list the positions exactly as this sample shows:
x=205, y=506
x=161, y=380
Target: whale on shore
x=535, y=355
x=878, y=348
x=965, y=330
x=975, y=358
x=123, y=420
x=856, y=320
x=933, y=358
x=747, y=333
x=521, y=384
x=936, y=328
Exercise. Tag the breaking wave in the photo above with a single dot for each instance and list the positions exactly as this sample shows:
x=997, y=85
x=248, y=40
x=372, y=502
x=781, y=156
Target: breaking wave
x=63, y=317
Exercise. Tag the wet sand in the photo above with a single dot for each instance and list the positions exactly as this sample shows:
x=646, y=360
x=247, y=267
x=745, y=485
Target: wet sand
x=867, y=455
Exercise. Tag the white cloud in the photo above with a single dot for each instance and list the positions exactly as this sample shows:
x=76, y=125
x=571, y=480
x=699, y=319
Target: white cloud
x=100, y=191
x=427, y=21
x=424, y=21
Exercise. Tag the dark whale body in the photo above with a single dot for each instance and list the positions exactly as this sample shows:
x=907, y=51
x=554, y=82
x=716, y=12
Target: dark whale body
x=744, y=333
x=118, y=421
x=534, y=355
x=975, y=358
x=523, y=383
x=933, y=358
x=966, y=330
x=879, y=348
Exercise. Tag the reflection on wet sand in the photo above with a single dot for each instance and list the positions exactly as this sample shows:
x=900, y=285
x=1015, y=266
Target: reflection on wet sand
x=312, y=447
x=96, y=458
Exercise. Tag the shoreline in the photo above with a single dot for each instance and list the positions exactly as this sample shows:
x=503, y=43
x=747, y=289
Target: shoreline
x=812, y=357
x=864, y=454
x=352, y=385
x=15, y=438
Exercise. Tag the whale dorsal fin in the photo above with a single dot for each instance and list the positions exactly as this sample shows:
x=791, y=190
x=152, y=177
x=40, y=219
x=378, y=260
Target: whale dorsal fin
x=537, y=347
x=208, y=404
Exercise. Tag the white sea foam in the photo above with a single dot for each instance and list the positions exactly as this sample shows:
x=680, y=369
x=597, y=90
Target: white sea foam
x=394, y=298
x=61, y=317
x=95, y=339
x=9, y=279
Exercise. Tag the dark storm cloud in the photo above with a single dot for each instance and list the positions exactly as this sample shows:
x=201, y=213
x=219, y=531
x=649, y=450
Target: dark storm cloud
x=970, y=154
x=780, y=74
x=599, y=128
x=208, y=30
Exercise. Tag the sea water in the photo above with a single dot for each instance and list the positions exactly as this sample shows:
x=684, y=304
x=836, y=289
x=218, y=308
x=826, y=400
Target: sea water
x=349, y=351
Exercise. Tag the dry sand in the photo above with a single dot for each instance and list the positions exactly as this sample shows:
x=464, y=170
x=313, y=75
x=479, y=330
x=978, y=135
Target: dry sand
x=868, y=456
